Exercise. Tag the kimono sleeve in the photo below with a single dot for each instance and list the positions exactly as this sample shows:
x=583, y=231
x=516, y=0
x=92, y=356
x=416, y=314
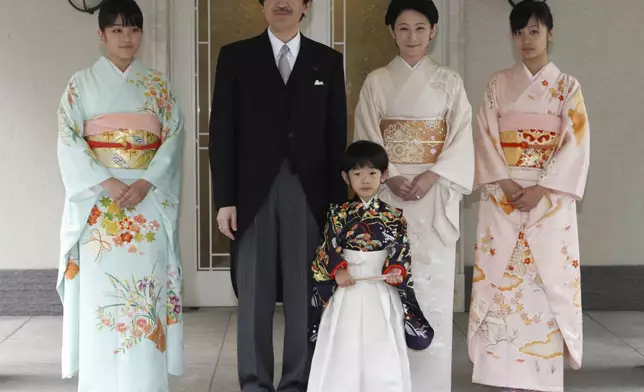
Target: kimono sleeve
x=455, y=164
x=567, y=169
x=400, y=254
x=164, y=172
x=328, y=257
x=367, y=119
x=81, y=172
x=490, y=165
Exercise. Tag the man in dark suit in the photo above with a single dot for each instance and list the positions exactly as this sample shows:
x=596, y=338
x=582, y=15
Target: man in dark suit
x=278, y=131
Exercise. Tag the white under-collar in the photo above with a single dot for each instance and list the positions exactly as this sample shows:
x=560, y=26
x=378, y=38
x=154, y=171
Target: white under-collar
x=415, y=66
x=294, y=44
x=367, y=204
x=117, y=68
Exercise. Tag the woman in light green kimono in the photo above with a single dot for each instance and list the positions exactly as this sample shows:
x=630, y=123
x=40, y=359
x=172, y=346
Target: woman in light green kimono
x=119, y=151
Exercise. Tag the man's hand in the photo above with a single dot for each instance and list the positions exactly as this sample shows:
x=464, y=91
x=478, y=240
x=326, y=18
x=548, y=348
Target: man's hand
x=527, y=199
x=421, y=185
x=227, y=221
x=510, y=188
x=114, y=188
x=343, y=278
x=399, y=186
x=135, y=194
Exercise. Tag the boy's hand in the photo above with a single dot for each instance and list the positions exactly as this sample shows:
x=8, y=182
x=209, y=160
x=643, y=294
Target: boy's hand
x=344, y=279
x=394, y=278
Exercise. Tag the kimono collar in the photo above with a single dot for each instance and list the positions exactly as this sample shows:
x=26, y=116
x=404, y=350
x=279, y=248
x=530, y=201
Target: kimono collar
x=400, y=64
x=549, y=73
x=373, y=202
x=106, y=65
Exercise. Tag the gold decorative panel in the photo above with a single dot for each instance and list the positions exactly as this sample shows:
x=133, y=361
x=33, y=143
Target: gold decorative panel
x=219, y=22
x=368, y=45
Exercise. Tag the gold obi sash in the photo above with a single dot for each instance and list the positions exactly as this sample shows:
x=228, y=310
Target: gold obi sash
x=531, y=141
x=413, y=141
x=124, y=148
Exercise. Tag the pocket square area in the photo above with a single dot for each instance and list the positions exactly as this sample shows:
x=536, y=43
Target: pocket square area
x=319, y=83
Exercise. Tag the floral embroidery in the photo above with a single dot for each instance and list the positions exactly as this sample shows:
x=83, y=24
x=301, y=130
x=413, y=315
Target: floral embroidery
x=569, y=259
x=577, y=117
x=484, y=244
x=124, y=227
x=489, y=93
x=73, y=269
x=140, y=310
x=558, y=92
x=520, y=277
x=68, y=128
x=169, y=204
x=174, y=309
x=72, y=92
x=159, y=99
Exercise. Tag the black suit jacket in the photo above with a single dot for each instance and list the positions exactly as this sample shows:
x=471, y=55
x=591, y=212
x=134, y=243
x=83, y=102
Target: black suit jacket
x=257, y=122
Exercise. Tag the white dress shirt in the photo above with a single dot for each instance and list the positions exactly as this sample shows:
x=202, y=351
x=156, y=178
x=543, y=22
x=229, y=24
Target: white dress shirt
x=294, y=46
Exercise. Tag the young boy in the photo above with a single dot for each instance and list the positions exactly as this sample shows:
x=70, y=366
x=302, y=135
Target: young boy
x=365, y=313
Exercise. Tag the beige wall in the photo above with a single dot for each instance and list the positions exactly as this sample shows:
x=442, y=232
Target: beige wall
x=599, y=42
x=39, y=53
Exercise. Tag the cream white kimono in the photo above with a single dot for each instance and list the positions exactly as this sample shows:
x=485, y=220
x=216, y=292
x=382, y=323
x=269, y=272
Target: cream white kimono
x=422, y=116
x=526, y=310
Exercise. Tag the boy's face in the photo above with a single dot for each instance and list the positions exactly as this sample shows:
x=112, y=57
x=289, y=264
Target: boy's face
x=365, y=181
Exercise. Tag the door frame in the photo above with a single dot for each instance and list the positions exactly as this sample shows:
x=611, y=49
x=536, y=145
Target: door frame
x=173, y=50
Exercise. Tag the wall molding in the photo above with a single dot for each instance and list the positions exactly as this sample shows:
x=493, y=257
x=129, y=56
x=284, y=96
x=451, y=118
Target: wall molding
x=157, y=46
x=33, y=292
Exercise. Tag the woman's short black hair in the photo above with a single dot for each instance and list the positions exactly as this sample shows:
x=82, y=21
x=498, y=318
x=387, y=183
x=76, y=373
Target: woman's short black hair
x=128, y=10
x=362, y=154
x=397, y=7
x=526, y=9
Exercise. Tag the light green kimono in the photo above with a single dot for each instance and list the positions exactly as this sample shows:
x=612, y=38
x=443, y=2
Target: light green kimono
x=120, y=273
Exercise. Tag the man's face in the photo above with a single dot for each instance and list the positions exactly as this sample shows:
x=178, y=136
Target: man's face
x=285, y=15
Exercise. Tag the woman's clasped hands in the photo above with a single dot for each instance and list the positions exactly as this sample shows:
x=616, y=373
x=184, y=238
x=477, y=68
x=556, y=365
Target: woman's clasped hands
x=124, y=195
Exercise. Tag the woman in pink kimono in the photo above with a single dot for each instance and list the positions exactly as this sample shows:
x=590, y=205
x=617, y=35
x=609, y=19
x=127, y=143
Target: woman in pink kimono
x=532, y=158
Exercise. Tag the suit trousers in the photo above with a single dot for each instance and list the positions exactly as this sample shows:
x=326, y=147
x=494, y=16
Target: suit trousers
x=284, y=230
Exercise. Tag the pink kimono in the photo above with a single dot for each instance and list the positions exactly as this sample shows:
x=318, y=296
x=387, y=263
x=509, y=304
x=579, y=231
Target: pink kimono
x=526, y=313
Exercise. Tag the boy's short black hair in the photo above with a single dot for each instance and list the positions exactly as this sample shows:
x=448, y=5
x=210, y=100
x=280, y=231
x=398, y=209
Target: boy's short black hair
x=363, y=154
x=128, y=10
x=526, y=9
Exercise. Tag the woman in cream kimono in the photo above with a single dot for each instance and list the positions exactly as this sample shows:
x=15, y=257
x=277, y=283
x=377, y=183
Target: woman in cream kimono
x=119, y=152
x=419, y=111
x=532, y=158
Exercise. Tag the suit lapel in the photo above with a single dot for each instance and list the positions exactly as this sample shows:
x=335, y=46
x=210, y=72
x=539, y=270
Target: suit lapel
x=303, y=62
x=268, y=60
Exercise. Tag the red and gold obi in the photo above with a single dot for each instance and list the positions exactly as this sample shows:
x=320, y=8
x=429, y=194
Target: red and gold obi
x=413, y=141
x=529, y=140
x=124, y=141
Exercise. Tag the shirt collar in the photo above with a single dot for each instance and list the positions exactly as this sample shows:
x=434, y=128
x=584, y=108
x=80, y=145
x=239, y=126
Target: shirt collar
x=276, y=43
